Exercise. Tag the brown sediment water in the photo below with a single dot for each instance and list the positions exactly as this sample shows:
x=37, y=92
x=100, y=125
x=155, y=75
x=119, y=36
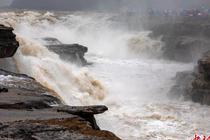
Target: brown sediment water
x=46, y=67
x=128, y=74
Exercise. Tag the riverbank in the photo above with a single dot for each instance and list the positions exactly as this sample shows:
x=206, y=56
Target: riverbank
x=186, y=39
x=31, y=111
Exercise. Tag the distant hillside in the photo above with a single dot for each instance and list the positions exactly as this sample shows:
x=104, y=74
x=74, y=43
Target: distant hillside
x=67, y=4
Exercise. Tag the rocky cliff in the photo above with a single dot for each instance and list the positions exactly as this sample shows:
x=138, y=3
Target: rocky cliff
x=74, y=53
x=29, y=111
x=8, y=43
x=195, y=84
x=185, y=38
x=201, y=83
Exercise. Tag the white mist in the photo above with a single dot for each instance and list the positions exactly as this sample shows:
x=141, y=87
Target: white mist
x=132, y=79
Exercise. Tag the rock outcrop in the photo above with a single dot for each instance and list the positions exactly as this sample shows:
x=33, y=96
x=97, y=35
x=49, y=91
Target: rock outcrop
x=186, y=38
x=8, y=43
x=183, y=85
x=194, y=85
x=30, y=111
x=72, y=52
x=201, y=84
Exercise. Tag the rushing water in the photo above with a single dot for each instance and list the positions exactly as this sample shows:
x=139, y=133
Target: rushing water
x=128, y=74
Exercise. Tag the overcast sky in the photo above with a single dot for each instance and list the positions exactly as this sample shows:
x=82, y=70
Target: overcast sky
x=5, y=2
x=91, y=4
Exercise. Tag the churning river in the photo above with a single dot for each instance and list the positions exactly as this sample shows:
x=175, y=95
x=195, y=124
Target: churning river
x=127, y=73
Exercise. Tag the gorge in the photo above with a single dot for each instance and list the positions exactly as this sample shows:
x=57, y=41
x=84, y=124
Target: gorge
x=147, y=71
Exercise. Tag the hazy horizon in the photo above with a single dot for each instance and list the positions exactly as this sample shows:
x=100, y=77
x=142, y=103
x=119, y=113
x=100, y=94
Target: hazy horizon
x=106, y=4
x=5, y=3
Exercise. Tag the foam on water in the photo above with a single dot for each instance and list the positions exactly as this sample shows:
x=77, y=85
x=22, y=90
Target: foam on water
x=70, y=83
x=132, y=79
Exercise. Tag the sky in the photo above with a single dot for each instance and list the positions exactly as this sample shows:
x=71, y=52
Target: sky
x=91, y=4
x=66, y=4
x=5, y=3
x=168, y=4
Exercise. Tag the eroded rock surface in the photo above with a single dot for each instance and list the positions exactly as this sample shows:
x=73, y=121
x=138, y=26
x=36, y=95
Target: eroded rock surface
x=201, y=84
x=8, y=43
x=195, y=85
x=29, y=111
x=72, y=52
x=185, y=39
x=183, y=86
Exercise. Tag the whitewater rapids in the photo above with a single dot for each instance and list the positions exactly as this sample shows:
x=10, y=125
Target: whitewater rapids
x=128, y=74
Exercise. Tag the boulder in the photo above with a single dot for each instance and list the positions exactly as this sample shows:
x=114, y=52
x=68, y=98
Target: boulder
x=204, y=65
x=201, y=83
x=194, y=85
x=8, y=43
x=72, y=52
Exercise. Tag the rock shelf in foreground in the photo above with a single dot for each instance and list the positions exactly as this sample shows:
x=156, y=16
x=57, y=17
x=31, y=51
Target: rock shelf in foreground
x=27, y=113
x=30, y=111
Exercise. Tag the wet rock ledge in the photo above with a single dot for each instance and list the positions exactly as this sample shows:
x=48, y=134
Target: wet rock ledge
x=29, y=111
x=201, y=82
x=72, y=52
x=8, y=43
x=195, y=85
